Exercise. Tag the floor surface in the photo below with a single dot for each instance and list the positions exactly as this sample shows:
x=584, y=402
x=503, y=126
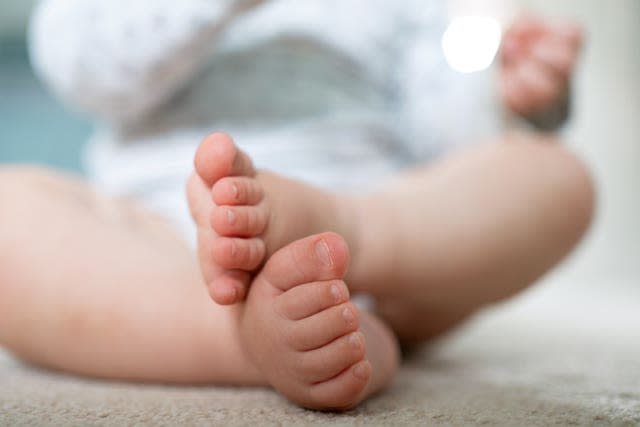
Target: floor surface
x=547, y=358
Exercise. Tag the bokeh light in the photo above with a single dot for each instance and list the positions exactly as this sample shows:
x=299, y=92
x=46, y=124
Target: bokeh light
x=470, y=43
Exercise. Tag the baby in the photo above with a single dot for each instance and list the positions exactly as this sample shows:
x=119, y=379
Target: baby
x=97, y=285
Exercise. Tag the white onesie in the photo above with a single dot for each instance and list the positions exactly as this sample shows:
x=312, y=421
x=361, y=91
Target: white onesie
x=340, y=93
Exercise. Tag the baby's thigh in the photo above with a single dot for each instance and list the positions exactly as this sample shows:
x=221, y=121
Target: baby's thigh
x=49, y=215
x=99, y=286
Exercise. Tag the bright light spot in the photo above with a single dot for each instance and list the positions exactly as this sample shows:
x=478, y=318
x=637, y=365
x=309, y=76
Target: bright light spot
x=470, y=43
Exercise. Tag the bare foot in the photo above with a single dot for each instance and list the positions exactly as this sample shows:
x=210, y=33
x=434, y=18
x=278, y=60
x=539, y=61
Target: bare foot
x=244, y=216
x=306, y=337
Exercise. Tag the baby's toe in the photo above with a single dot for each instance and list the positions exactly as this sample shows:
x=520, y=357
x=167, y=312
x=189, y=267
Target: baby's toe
x=320, y=257
x=343, y=391
x=218, y=156
x=310, y=298
x=230, y=287
x=241, y=254
x=237, y=190
x=322, y=328
x=239, y=221
x=327, y=362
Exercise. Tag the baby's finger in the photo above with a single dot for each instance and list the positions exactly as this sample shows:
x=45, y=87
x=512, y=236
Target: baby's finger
x=513, y=93
x=526, y=27
x=540, y=84
x=516, y=40
x=572, y=33
x=529, y=88
x=556, y=54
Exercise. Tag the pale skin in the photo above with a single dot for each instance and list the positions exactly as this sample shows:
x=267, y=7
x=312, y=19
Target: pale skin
x=124, y=297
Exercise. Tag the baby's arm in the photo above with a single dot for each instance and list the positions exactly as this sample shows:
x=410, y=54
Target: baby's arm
x=119, y=59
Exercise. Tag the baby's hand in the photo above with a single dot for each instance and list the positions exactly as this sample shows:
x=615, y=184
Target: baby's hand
x=537, y=60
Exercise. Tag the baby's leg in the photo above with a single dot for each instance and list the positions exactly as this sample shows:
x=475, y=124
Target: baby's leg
x=474, y=228
x=436, y=245
x=98, y=287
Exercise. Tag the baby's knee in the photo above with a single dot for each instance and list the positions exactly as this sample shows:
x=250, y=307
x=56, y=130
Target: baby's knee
x=20, y=185
x=562, y=184
x=566, y=182
x=21, y=188
x=574, y=188
x=16, y=179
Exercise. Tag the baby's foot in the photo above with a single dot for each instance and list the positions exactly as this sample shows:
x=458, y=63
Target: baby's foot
x=310, y=342
x=243, y=216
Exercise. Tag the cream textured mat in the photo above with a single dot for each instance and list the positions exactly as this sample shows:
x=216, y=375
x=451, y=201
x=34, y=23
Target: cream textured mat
x=548, y=358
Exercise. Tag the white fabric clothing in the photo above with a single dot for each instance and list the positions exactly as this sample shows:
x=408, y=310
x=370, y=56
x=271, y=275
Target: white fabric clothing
x=340, y=93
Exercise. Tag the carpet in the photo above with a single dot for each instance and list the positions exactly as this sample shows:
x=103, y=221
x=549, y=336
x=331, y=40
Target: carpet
x=550, y=357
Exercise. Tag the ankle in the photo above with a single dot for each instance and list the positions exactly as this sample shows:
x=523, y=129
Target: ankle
x=371, y=245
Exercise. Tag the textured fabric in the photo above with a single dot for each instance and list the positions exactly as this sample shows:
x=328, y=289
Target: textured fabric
x=552, y=357
x=120, y=58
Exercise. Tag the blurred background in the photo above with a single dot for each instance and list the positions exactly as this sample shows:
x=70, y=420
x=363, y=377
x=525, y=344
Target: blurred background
x=34, y=127
x=604, y=128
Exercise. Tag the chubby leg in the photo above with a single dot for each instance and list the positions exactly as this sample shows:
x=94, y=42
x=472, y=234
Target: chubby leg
x=433, y=247
x=99, y=287
x=473, y=229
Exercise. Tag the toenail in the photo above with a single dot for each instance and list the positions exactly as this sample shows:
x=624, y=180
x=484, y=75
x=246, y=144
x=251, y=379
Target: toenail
x=361, y=371
x=348, y=316
x=355, y=341
x=335, y=293
x=234, y=191
x=322, y=250
x=234, y=249
x=231, y=216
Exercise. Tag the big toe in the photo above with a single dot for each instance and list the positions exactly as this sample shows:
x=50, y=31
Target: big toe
x=218, y=156
x=319, y=257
